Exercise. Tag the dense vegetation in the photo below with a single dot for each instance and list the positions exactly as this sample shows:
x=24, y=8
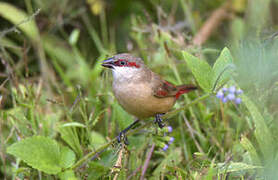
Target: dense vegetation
x=59, y=118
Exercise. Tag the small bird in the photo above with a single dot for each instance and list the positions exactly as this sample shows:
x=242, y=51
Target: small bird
x=140, y=91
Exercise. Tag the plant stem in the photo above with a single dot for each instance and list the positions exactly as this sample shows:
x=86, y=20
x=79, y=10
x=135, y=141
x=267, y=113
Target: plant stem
x=171, y=113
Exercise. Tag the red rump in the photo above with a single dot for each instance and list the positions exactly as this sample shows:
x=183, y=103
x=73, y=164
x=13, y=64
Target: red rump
x=169, y=84
x=162, y=93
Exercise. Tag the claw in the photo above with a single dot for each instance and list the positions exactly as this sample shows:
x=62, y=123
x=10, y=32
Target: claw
x=122, y=137
x=159, y=120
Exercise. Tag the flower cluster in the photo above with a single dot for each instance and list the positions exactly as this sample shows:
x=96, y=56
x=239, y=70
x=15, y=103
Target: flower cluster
x=229, y=94
x=166, y=138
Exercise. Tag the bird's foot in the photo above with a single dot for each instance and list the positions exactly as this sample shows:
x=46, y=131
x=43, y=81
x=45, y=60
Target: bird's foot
x=159, y=120
x=122, y=137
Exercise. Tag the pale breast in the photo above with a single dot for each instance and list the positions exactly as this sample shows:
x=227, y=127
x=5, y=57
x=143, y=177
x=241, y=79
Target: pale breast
x=138, y=100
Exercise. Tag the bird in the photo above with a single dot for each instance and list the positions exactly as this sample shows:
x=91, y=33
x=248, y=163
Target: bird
x=140, y=91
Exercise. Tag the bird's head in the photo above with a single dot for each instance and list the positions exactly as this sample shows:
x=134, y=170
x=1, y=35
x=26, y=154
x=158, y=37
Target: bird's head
x=124, y=66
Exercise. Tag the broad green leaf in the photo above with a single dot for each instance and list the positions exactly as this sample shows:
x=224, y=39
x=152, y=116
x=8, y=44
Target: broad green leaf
x=69, y=135
x=201, y=70
x=97, y=170
x=222, y=68
x=235, y=167
x=67, y=157
x=16, y=16
x=262, y=132
x=97, y=139
x=67, y=175
x=41, y=153
x=120, y=116
x=248, y=146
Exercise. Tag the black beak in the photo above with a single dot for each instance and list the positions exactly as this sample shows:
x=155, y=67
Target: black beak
x=108, y=63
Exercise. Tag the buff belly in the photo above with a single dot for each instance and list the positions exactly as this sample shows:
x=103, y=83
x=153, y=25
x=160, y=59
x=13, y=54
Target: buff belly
x=140, y=101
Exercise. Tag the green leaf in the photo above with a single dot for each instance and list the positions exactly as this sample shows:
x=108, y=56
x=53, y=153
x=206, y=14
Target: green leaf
x=101, y=166
x=97, y=139
x=120, y=116
x=67, y=157
x=262, y=132
x=67, y=175
x=222, y=68
x=73, y=124
x=41, y=153
x=96, y=170
x=201, y=70
x=69, y=135
x=248, y=146
x=235, y=167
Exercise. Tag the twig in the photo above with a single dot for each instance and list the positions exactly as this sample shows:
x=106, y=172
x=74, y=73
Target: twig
x=14, y=28
x=118, y=165
x=147, y=161
x=171, y=113
x=167, y=115
x=211, y=24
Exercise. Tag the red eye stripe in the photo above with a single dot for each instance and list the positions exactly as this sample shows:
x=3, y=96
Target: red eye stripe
x=125, y=63
x=133, y=64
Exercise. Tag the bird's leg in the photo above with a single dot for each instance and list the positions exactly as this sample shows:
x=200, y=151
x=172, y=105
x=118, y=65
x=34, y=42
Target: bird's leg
x=122, y=134
x=159, y=120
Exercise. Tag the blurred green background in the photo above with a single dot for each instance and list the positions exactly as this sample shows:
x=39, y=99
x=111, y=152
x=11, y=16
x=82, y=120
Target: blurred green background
x=52, y=85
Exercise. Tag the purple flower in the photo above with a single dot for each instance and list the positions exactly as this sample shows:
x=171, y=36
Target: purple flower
x=170, y=129
x=224, y=100
x=224, y=89
x=220, y=94
x=165, y=147
x=231, y=96
x=171, y=140
x=232, y=89
x=239, y=91
x=238, y=100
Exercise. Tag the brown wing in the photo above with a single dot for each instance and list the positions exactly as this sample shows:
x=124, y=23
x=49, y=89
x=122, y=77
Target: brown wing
x=162, y=88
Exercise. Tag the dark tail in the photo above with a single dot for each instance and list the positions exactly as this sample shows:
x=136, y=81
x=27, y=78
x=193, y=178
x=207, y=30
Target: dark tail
x=185, y=89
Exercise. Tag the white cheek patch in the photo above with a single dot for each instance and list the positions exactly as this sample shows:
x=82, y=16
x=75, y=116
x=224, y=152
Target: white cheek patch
x=124, y=73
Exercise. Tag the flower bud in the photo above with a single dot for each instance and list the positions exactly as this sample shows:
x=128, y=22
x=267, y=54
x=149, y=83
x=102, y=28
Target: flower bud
x=231, y=96
x=170, y=129
x=165, y=147
x=224, y=89
x=238, y=100
x=224, y=100
x=232, y=89
x=171, y=140
x=239, y=91
x=220, y=94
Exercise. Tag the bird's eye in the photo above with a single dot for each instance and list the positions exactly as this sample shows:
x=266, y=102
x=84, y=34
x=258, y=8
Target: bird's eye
x=122, y=63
